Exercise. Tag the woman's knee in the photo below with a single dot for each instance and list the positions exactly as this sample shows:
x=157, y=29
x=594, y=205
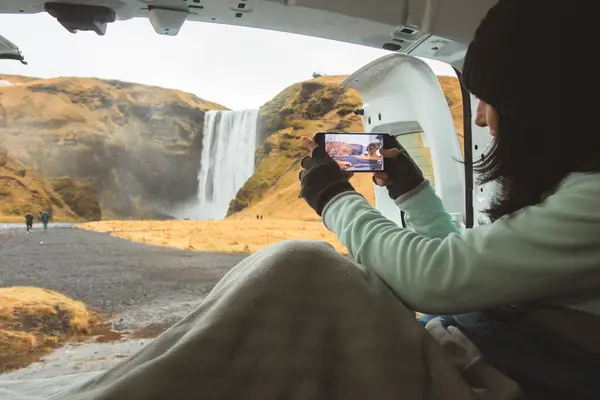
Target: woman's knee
x=314, y=258
x=304, y=251
x=296, y=262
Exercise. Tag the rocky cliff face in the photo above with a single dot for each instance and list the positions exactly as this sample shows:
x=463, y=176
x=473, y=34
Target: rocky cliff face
x=138, y=147
x=22, y=191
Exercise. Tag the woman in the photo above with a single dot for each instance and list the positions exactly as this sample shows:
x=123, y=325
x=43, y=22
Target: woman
x=298, y=321
x=45, y=217
x=28, y=221
x=542, y=249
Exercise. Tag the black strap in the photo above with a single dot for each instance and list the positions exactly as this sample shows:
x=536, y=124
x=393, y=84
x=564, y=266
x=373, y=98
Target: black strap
x=468, y=152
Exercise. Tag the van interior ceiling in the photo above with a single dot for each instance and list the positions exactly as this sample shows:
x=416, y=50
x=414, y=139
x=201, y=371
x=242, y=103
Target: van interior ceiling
x=434, y=29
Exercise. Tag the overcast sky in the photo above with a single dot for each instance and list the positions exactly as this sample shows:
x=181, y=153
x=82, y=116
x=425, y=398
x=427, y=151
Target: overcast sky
x=237, y=67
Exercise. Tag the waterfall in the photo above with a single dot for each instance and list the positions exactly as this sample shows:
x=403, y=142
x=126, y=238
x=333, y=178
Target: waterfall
x=227, y=161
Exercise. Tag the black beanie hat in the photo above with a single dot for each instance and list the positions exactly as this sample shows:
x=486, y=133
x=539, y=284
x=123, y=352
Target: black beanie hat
x=522, y=47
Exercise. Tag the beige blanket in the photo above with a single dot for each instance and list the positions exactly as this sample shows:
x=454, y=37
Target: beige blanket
x=298, y=321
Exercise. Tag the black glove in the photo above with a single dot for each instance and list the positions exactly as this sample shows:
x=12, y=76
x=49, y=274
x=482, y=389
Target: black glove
x=403, y=173
x=321, y=180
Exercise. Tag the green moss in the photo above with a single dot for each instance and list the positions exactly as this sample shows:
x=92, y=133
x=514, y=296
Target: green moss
x=285, y=144
x=342, y=125
x=272, y=118
x=345, y=109
x=315, y=100
x=297, y=126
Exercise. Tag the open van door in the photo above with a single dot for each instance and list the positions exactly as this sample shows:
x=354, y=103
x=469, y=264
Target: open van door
x=8, y=51
x=402, y=96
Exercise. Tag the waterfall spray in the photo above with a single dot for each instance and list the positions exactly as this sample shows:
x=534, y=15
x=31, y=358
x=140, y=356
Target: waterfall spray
x=227, y=161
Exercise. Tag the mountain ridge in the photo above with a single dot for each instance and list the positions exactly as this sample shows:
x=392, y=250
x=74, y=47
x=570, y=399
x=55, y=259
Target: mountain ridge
x=137, y=147
x=110, y=149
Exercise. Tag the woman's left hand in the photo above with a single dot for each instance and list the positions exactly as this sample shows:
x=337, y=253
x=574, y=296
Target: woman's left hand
x=321, y=178
x=401, y=174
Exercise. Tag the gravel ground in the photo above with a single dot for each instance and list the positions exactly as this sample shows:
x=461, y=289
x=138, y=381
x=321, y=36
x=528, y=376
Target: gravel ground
x=139, y=285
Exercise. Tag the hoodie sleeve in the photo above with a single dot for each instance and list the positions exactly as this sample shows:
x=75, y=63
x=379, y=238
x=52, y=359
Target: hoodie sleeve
x=547, y=250
x=425, y=213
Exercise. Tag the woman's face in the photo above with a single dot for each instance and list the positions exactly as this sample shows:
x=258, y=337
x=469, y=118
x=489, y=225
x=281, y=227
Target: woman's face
x=487, y=115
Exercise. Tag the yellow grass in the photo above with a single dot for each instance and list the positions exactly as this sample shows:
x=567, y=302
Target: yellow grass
x=12, y=219
x=35, y=320
x=229, y=236
x=453, y=94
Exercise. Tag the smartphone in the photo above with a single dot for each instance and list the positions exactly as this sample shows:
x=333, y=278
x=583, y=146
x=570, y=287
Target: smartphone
x=354, y=151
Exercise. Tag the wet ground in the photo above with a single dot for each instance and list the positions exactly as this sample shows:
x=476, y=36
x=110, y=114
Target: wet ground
x=78, y=358
x=141, y=284
x=144, y=289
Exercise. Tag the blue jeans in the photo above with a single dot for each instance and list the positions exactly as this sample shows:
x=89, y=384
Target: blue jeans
x=543, y=363
x=446, y=319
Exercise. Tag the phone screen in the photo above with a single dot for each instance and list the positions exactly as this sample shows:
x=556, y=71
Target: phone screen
x=358, y=152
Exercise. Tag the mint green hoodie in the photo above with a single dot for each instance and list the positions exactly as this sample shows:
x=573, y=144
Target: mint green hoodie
x=548, y=253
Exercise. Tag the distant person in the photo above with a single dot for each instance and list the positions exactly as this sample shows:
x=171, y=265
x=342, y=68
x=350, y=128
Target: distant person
x=45, y=217
x=257, y=217
x=29, y=221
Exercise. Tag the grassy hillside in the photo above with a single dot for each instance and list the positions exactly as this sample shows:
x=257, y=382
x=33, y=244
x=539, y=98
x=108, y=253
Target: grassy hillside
x=81, y=197
x=302, y=110
x=137, y=146
x=34, y=321
x=453, y=94
x=22, y=190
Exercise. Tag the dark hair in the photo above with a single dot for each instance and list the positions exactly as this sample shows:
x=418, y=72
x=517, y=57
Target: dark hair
x=529, y=159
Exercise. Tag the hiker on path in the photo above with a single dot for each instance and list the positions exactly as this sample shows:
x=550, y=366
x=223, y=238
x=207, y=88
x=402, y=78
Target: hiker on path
x=45, y=217
x=29, y=221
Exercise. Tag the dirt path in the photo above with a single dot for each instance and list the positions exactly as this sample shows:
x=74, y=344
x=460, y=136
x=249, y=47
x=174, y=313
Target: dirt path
x=139, y=284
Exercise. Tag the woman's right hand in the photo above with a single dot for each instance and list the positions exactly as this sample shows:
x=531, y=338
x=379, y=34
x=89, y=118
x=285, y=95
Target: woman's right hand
x=401, y=174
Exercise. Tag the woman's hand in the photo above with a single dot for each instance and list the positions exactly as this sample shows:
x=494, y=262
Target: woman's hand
x=382, y=178
x=401, y=174
x=321, y=178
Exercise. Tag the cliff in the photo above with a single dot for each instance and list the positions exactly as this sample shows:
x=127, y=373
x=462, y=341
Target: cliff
x=22, y=190
x=137, y=147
